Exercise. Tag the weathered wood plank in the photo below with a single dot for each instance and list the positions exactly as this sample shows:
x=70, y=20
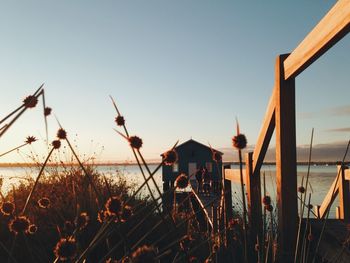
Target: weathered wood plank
x=253, y=186
x=329, y=199
x=347, y=174
x=286, y=173
x=265, y=134
x=344, y=195
x=233, y=175
x=334, y=25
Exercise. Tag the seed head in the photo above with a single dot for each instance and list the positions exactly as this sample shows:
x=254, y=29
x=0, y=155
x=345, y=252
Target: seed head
x=30, y=139
x=32, y=229
x=216, y=156
x=44, y=202
x=181, y=181
x=47, y=111
x=301, y=189
x=135, y=142
x=61, y=134
x=19, y=224
x=239, y=141
x=170, y=157
x=30, y=101
x=7, y=208
x=82, y=221
x=66, y=249
x=114, y=205
x=120, y=120
x=266, y=200
x=144, y=254
x=56, y=144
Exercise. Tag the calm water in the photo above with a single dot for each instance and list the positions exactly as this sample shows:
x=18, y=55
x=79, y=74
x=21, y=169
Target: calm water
x=321, y=178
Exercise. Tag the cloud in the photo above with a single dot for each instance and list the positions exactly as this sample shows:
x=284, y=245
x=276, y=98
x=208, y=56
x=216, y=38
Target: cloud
x=346, y=129
x=329, y=152
x=334, y=111
x=339, y=111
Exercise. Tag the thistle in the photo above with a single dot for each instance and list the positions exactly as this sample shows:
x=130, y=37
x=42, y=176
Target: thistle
x=135, y=142
x=66, y=249
x=120, y=120
x=61, y=134
x=44, y=202
x=30, y=101
x=19, y=224
x=181, y=181
x=170, y=157
x=7, y=208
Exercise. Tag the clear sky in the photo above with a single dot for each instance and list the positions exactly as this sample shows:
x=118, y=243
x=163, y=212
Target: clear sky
x=177, y=69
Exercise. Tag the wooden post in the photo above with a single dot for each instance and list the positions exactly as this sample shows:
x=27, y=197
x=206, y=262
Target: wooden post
x=286, y=174
x=317, y=211
x=344, y=195
x=254, y=201
x=337, y=213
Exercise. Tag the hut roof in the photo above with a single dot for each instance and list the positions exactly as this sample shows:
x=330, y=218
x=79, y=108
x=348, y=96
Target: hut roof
x=193, y=141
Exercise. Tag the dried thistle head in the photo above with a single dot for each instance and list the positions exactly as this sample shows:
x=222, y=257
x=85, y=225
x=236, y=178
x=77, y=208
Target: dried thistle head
x=56, y=144
x=144, y=254
x=301, y=189
x=44, y=202
x=135, y=142
x=32, y=229
x=216, y=156
x=239, y=141
x=120, y=120
x=47, y=111
x=114, y=205
x=82, y=221
x=170, y=157
x=61, y=134
x=30, y=139
x=66, y=249
x=19, y=224
x=266, y=200
x=7, y=208
x=181, y=181
x=30, y=101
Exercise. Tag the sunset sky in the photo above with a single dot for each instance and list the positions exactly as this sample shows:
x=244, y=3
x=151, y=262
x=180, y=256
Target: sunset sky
x=177, y=69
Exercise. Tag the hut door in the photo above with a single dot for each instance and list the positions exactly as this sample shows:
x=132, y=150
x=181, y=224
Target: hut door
x=192, y=168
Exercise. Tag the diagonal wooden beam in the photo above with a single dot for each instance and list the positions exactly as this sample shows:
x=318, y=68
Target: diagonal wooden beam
x=330, y=197
x=265, y=135
x=334, y=26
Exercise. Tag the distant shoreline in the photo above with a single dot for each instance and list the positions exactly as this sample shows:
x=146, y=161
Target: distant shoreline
x=9, y=165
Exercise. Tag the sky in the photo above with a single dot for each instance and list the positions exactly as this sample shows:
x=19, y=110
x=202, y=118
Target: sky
x=177, y=70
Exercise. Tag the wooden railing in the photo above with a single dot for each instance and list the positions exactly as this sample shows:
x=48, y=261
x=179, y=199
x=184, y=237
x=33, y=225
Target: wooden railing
x=339, y=187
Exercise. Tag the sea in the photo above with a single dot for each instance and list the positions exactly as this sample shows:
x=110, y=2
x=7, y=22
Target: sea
x=320, y=180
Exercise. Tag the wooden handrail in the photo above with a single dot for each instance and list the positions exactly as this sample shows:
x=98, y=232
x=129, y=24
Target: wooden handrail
x=334, y=25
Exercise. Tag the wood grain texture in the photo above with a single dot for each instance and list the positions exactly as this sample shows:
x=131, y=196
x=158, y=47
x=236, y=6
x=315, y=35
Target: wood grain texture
x=333, y=26
x=286, y=171
x=265, y=134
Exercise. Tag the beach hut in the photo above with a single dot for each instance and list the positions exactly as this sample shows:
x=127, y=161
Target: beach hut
x=191, y=156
